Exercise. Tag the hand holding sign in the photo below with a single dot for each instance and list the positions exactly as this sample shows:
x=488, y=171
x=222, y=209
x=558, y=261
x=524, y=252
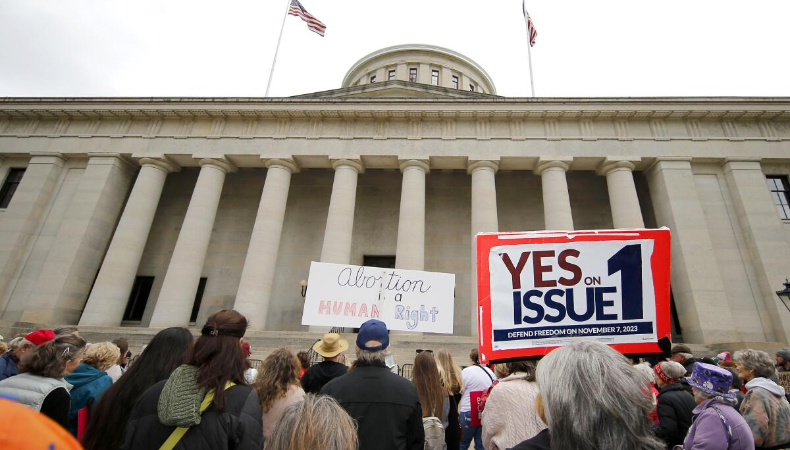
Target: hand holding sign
x=541, y=290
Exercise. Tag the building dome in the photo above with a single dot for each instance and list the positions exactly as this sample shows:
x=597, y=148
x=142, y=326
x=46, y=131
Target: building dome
x=417, y=63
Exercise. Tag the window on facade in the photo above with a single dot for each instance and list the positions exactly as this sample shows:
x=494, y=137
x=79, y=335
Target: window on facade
x=471, y=87
x=413, y=75
x=780, y=191
x=385, y=262
x=435, y=77
x=198, y=298
x=135, y=307
x=372, y=78
x=455, y=82
x=391, y=75
x=9, y=187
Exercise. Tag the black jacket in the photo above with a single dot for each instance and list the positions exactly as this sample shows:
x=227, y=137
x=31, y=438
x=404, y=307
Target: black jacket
x=238, y=427
x=541, y=441
x=385, y=406
x=320, y=374
x=674, y=414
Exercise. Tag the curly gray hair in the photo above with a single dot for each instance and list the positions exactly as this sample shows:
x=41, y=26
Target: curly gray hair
x=757, y=360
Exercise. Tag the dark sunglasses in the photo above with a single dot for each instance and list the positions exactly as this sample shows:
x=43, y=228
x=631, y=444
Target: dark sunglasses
x=419, y=350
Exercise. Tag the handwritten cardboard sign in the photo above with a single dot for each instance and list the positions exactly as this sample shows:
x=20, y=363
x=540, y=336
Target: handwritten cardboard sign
x=341, y=295
x=542, y=290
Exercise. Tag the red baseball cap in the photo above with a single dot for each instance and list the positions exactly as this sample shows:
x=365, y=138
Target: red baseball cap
x=39, y=337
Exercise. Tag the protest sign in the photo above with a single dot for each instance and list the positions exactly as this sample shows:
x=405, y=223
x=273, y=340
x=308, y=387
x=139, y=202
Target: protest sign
x=542, y=290
x=342, y=295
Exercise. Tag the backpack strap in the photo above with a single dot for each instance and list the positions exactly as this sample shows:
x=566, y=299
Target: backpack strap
x=486, y=372
x=179, y=432
x=725, y=424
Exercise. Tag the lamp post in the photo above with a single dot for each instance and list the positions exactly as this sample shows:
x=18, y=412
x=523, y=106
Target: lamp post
x=303, y=284
x=784, y=295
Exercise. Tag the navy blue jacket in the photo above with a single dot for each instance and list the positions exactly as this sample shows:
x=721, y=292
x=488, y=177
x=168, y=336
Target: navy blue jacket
x=7, y=366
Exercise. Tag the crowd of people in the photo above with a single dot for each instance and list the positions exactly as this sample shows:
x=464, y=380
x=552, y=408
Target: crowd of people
x=186, y=393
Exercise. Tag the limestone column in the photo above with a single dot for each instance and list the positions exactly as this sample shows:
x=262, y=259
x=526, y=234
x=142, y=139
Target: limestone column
x=696, y=281
x=556, y=201
x=484, y=219
x=107, y=301
x=65, y=280
x=21, y=220
x=177, y=295
x=410, y=251
x=764, y=234
x=623, y=198
x=257, y=277
x=340, y=220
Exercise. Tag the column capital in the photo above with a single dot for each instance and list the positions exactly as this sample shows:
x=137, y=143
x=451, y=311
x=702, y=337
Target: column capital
x=609, y=165
x=162, y=163
x=421, y=163
x=353, y=163
x=220, y=163
x=670, y=162
x=286, y=163
x=37, y=157
x=742, y=163
x=484, y=164
x=543, y=165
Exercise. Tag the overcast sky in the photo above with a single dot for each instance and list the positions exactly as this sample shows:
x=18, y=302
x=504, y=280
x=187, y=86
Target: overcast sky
x=224, y=47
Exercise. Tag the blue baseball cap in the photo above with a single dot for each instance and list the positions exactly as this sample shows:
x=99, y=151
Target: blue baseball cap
x=373, y=330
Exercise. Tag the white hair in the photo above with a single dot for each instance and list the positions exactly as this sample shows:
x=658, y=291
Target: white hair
x=706, y=396
x=369, y=357
x=594, y=399
x=645, y=372
x=672, y=369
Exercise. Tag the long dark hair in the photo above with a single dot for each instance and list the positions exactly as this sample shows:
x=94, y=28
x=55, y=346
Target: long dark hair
x=166, y=351
x=218, y=354
x=425, y=377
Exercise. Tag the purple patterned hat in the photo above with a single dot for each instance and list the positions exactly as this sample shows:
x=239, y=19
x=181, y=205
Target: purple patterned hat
x=711, y=379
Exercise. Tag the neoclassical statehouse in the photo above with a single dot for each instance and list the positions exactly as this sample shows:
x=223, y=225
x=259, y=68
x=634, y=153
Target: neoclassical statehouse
x=155, y=212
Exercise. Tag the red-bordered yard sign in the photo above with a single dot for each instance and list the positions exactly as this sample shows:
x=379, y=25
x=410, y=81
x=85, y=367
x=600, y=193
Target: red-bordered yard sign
x=545, y=289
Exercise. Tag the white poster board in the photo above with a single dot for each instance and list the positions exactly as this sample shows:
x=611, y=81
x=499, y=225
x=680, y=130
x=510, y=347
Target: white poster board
x=342, y=295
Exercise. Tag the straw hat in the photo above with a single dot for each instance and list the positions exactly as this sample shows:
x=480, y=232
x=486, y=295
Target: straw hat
x=330, y=345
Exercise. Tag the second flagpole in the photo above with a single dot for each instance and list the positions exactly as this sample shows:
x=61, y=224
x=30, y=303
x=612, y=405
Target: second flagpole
x=529, y=46
x=277, y=50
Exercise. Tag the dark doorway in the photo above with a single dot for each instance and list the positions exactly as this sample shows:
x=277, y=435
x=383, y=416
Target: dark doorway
x=385, y=262
x=135, y=307
x=198, y=299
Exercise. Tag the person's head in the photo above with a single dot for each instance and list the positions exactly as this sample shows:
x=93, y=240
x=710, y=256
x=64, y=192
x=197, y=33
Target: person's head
x=3, y=348
x=123, y=346
x=279, y=371
x=591, y=397
x=304, y=360
x=425, y=377
x=646, y=374
x=521, y=368
x=331, y=346
x=681, y=353
x=373, y=343
x=67, y=330
x=668, y=372
x=783, y=358
x=449, y=372
x=167, y=350
x=218, y=355
x=736, y=382
x=752, y=364
x=501, y=370
x=54, y=359
x=709, y=381
x=32, y=340
x=102, y=355
x=315, y=422
x=474, y=356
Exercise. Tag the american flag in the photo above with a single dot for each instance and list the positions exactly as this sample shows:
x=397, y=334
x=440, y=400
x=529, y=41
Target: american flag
x=533, y=33
x=313, y=24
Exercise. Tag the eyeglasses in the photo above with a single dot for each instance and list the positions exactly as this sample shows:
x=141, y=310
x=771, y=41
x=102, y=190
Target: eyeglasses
x=419, y=350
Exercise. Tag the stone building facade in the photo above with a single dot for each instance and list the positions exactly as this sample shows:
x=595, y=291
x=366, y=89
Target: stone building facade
x=155, y=212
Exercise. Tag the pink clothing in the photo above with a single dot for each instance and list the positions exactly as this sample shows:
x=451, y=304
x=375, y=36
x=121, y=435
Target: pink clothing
x=295, y=394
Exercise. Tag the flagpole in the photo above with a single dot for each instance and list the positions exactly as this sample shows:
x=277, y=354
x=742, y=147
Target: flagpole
x=277, y=50
x=529, y=48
